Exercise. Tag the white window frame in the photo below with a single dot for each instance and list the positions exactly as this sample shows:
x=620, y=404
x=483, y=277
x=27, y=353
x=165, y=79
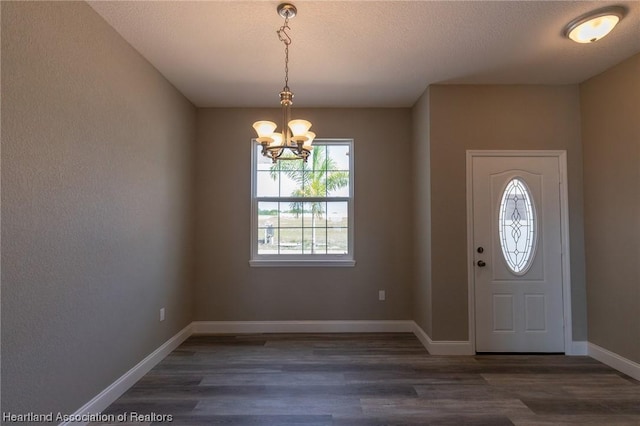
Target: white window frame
x=304, y=260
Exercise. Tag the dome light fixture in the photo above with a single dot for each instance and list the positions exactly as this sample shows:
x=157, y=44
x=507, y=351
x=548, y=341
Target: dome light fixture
x=295, y=139
x=594, y=25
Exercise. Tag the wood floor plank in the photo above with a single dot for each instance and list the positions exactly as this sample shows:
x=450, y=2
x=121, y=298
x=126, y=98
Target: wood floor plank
x=535, y=379
x=631, y=392
x=254, y=420
x=575, y=420
x=285, y=378
x=275, y=405
x=201, y=392
x=424, y=406
x=427, y=420
x=485, y=391
x=414, y=378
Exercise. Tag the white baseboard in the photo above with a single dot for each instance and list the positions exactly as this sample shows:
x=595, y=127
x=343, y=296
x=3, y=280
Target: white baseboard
x=442, y=347
x=128, y=379
x=243, y=327
x=612, y=359
x=578, y=348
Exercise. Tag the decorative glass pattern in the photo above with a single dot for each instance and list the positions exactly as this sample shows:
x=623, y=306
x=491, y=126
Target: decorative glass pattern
x=517, y=226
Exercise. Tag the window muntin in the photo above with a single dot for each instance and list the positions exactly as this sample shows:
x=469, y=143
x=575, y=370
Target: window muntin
x=517, y=225
x=304, y=211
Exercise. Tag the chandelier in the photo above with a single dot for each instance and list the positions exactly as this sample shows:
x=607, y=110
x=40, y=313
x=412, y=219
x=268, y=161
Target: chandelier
x=294, y=143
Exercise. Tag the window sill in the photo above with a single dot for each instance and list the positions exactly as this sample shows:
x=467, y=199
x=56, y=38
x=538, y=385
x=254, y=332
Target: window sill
x=302, y=263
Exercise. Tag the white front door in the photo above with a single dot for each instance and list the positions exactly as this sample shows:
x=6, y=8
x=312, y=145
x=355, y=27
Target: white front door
x=517, y=254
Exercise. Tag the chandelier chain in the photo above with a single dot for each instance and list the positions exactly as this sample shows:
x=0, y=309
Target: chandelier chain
x=286, y=67
x=286, y=39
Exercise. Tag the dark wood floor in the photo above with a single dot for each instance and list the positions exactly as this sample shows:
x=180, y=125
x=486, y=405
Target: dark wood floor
x=374, y=380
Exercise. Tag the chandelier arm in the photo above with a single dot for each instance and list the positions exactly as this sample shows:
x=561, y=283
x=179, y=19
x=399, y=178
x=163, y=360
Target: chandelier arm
x=277, y=153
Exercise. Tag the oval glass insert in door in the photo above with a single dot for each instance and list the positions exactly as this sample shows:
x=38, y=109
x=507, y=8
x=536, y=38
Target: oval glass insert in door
x=517, y=225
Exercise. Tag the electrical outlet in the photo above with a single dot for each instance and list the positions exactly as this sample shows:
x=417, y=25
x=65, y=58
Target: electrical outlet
x=382, y=295
x=161, y=314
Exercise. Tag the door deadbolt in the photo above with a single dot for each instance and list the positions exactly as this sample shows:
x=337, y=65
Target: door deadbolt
x=480, y=250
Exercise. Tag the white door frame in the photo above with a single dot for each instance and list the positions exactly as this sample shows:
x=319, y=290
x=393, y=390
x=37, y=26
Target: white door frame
x=564, y=226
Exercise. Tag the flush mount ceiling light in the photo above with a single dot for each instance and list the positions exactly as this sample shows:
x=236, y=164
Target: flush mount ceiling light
x=594, y=25
x=294, y=143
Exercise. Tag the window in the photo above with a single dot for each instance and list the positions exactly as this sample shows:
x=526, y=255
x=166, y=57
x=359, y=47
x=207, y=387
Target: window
x=302, y=213
x=517, y=226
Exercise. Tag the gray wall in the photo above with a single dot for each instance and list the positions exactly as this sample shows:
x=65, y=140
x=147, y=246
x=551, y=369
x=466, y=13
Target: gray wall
x=421, y=295
x=494, y=117
x=228, y=289
x=611, y=141
x=96, y=187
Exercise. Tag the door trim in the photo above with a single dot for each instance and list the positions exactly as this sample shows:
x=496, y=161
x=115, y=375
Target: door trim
x=561, y=155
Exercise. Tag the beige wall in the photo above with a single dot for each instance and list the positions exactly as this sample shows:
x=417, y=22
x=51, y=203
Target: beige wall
x=421, y=294
x=494, y=117
x=228, y=289
x=96, y=178
x=610, y=107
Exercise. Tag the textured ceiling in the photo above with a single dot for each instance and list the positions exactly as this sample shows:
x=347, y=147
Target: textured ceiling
x=363, y=53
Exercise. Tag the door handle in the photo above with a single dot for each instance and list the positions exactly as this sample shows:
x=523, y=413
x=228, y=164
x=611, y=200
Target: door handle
x=481, y=263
